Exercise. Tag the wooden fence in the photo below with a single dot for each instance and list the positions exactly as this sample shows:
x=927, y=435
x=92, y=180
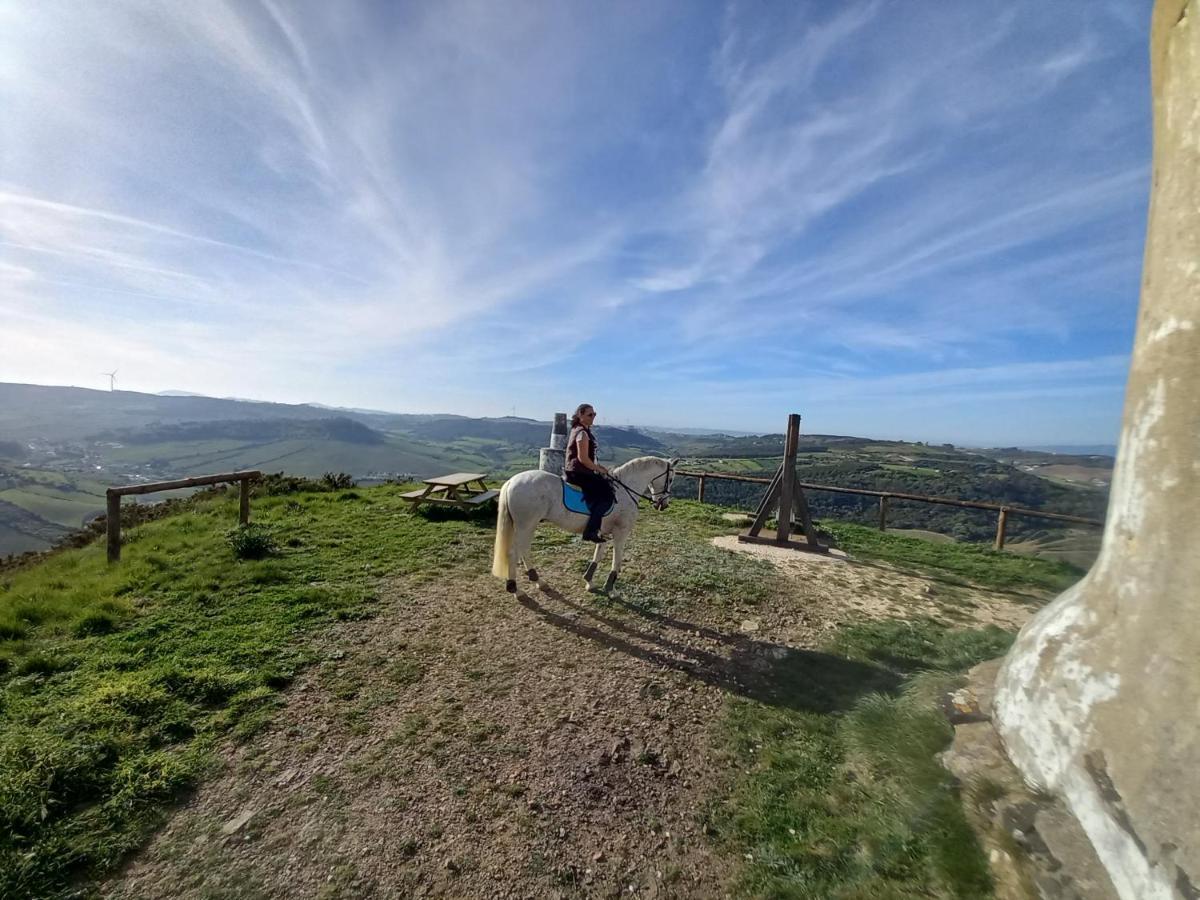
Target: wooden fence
x=114, y=495
x=885, y=497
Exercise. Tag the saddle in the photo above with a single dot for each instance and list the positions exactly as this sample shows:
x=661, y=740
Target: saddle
x=573, y=500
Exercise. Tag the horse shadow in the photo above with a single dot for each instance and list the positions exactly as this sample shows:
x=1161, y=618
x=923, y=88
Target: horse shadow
x=770, y=673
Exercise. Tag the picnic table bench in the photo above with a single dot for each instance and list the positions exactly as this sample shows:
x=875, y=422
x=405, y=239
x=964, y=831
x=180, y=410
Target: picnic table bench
x=462, y=489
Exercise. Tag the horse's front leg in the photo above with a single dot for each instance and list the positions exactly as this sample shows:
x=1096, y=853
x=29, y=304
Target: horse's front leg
x=590, y=572
x=618, y=556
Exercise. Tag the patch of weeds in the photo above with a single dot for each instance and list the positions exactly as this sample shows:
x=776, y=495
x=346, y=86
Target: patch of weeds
x=413, y=725
x=480, y=732
x=405, y=671
x=984, y=792
x=94, y=622
x=323, y=785
x=855, y=804
x=647, y=757
x=252, y=541
x=909, y=646
x=46, y=664
x=568, y=875
x=974, y=563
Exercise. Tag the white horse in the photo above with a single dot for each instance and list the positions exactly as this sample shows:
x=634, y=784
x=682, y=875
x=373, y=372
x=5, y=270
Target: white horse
x=534, y=496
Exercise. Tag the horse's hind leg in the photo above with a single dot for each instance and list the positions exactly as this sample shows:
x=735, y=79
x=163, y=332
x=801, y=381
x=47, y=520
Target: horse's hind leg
x=521, y=545
x=530, y=572
x=515, y=552
x=590, y=572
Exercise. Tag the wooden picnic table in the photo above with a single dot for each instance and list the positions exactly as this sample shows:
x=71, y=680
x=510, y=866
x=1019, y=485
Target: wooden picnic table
x=461, y=489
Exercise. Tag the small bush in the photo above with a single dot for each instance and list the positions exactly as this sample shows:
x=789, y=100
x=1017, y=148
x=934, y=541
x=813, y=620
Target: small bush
x=251, y=542
x=95, y=622
x=45, y=664
x=338, y=481
x=278, y=483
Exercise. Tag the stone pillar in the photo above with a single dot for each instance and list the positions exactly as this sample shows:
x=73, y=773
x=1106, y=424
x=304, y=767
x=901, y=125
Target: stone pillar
x=552, y=458
x=1098, y=701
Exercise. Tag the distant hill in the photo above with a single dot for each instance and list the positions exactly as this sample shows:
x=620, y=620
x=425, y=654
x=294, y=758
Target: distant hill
x=337, y=428
x=60, y=448
x=519, y=432
x=58, y=414
x=35, y=412
x=1073, y=450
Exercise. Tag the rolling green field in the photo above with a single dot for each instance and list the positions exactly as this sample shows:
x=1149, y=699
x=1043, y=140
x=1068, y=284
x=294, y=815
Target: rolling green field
x=297, y=457
x=53, y=506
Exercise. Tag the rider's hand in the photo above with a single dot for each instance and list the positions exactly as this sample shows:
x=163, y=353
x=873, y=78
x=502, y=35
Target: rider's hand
x=601, y=469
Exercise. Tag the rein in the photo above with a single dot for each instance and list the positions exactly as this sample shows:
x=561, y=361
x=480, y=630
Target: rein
x=658, y=499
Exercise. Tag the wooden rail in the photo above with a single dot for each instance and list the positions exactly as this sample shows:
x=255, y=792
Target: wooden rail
x=885, y=497
x=114, y=494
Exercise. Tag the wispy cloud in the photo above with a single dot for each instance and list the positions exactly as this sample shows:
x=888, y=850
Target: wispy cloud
x=412, y=206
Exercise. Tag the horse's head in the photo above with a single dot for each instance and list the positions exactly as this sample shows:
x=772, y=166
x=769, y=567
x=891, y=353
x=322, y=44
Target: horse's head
x=660, y=485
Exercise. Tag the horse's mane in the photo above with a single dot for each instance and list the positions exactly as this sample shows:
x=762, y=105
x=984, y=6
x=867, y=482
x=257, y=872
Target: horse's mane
x=638, y=463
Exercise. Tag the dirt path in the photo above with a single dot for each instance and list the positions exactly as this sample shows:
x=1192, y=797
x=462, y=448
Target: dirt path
x=467, y=744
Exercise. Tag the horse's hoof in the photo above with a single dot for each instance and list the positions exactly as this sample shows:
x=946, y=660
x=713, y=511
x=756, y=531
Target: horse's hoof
x=532, y=574
x=612, y=579
x=510, y=586
x=592, y=589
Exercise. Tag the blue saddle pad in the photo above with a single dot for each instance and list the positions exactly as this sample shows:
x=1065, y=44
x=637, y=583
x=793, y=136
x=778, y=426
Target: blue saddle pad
x=573, y=500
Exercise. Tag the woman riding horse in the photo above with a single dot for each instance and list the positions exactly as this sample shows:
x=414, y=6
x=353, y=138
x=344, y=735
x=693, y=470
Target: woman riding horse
x=582, y=470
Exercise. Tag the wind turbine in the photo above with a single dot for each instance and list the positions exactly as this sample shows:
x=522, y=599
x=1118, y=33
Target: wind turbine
x=112, y=379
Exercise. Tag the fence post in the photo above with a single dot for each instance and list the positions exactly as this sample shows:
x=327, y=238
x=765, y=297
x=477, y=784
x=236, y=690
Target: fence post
x=700, y=490
x=883, y=512
x=244, y=502
x=787, y=484
x=1001, y=524
x=113, y=523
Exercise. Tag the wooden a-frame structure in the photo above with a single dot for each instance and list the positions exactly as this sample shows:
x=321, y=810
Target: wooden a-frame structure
x=786, y=494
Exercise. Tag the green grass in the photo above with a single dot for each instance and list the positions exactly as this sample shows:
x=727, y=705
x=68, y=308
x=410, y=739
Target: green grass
x=968, y=562
x=54, y=506
x=118, y=682
x=911, y=470
x=851, y=802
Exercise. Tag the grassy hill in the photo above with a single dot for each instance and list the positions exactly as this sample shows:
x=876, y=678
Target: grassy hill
x=120, y=685
x=63, y=414
x=54, y=438
x=61, y=447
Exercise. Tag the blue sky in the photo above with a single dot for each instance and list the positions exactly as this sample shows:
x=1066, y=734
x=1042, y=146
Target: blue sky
x=901, y=219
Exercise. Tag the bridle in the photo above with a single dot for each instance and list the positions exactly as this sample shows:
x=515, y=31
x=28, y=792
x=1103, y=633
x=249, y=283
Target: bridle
x=658, y=499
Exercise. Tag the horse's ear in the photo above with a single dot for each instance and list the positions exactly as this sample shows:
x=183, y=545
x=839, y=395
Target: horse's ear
x=673, y=461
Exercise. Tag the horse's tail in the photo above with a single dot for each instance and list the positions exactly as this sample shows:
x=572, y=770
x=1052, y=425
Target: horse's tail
x=504, y=536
